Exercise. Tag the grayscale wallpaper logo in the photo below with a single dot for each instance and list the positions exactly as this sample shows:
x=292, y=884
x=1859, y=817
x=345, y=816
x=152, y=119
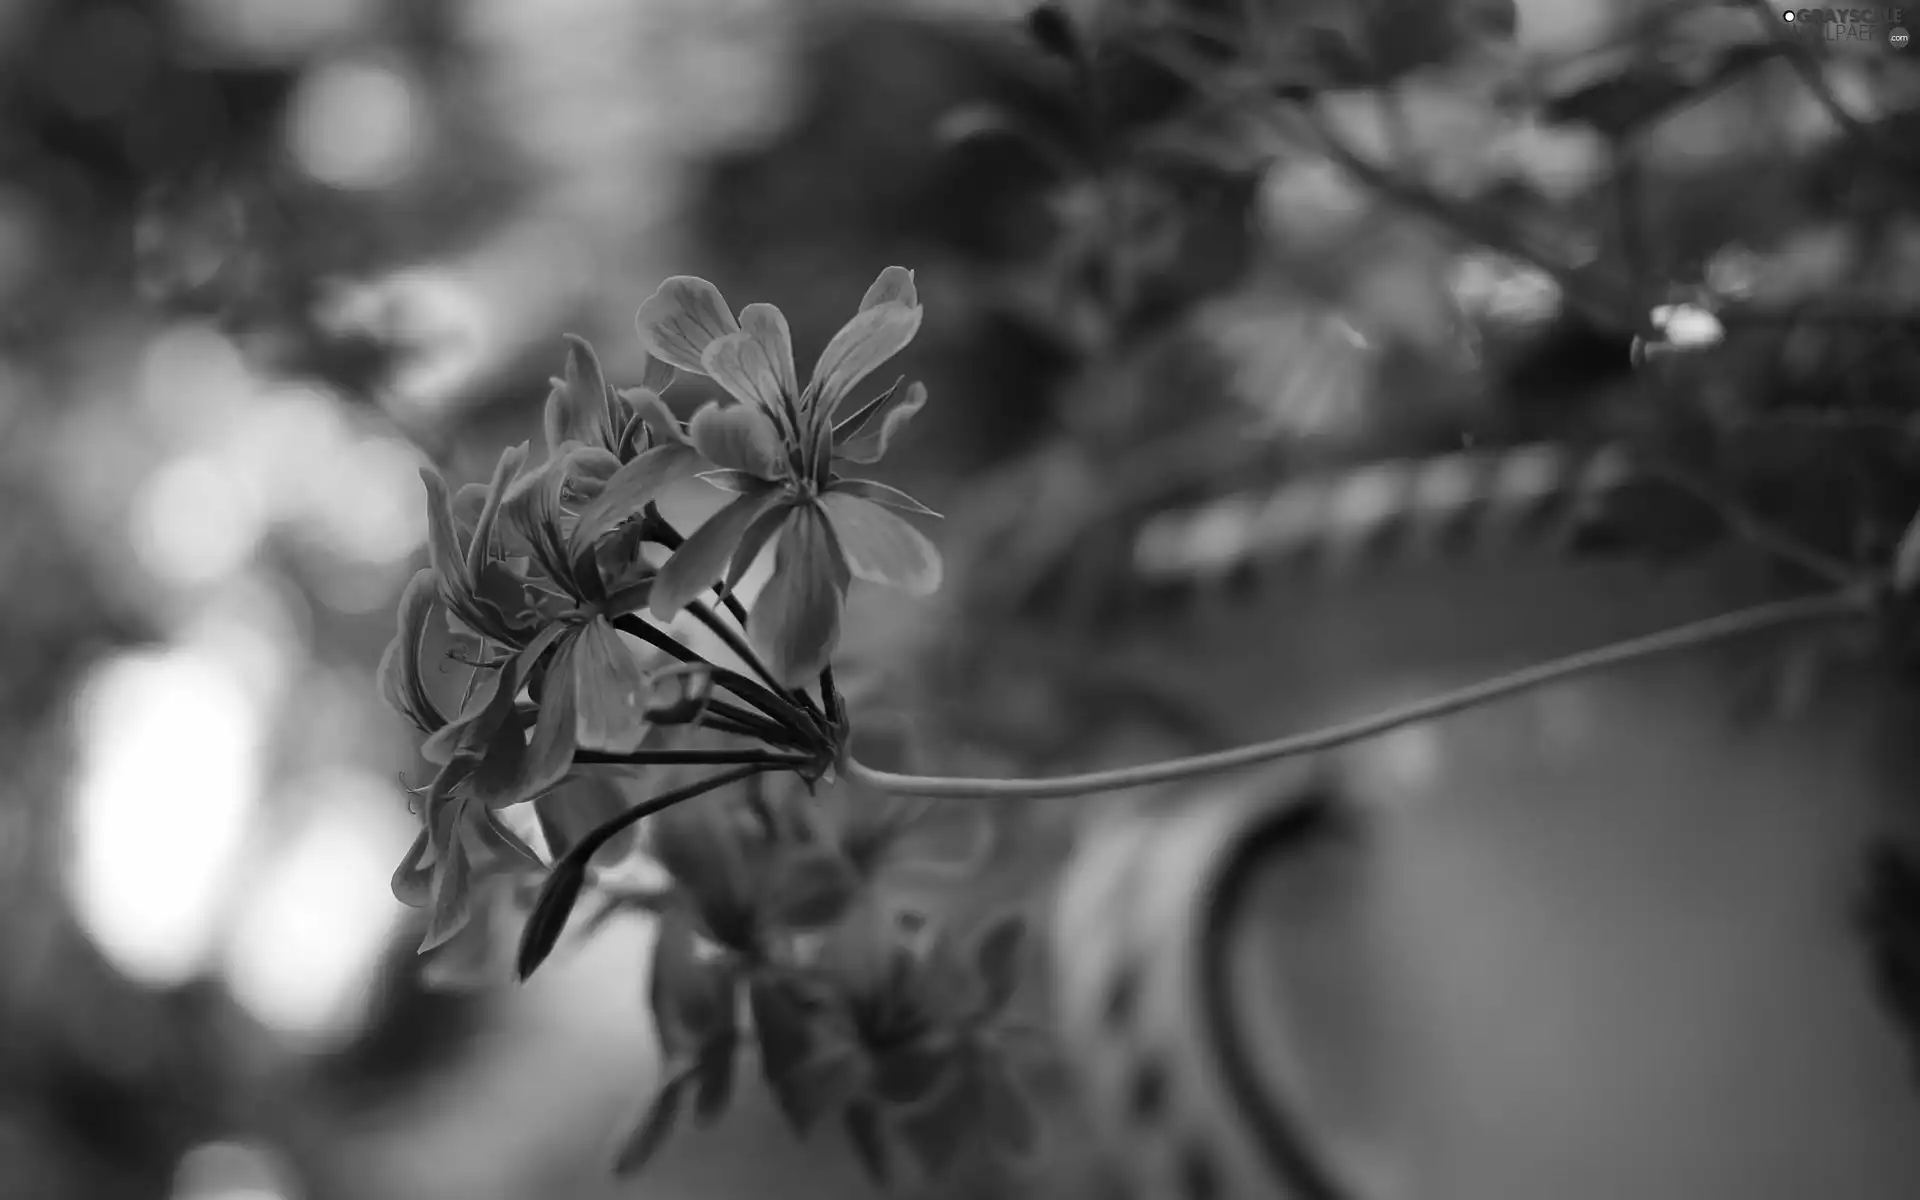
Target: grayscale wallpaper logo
x=1850, y=26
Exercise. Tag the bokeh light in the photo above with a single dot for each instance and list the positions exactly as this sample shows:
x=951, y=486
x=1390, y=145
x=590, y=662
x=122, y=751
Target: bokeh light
x=195, y=522
x=355, y=124
x=231, y=1171
x=170, y=759
x=311, y=930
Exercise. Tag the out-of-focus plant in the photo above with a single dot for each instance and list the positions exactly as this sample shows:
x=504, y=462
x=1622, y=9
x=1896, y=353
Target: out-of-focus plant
x=561, y=587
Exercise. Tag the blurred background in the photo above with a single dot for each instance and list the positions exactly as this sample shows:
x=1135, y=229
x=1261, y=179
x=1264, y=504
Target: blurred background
x=262, y=259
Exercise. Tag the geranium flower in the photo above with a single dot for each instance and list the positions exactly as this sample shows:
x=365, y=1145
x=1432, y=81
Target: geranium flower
x=778, y=449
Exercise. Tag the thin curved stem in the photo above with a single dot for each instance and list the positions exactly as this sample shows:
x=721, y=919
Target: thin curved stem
x=1851, y=603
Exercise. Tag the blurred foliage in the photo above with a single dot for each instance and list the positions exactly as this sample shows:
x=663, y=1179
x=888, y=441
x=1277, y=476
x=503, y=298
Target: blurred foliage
x=1172, y=252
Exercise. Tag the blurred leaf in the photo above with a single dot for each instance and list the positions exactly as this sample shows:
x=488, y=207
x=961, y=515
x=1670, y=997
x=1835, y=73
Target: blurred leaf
x=937, y=1130
x=912, y=1072
x=813, y=885
x=1890, y=916
x=862, y=1123
x=692, y=999
x=998, y=958
x=807, y=1054
x=650, y=1132
x=1006, y=1111
x=1051, y=30
x=713, y=1071
x=1906, y=559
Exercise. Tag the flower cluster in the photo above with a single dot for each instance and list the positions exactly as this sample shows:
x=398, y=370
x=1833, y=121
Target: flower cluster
x=560, y=587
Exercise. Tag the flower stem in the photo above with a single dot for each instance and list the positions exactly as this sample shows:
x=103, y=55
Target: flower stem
x=738, y=643
x=689, y=758
x=1851, y=603
x=830, y=697
x=777, y=708
x=565, y=880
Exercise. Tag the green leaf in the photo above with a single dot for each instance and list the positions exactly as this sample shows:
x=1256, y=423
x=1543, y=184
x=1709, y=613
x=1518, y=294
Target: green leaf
x=808, y=1055
x=997, y=957
x=882, y=548
x=650, y=1132
x=548, y=921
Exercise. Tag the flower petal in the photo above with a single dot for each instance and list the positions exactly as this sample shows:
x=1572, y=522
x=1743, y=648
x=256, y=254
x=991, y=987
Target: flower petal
x=657, y=376
x=532, y=510
x=738, y=437
x=698, y=563
x=550, y=752
x=627, y=493
x=611, y=691
x=737, y=482
x=880, y=493
x=752, y=542
x=468, y=503
x=739, y=364
x=510, y=770
x=556, y=422
x=768, y=325
x=893, y=286
x=865, y=436
x=504, y=472
x=796, y=618
x=680, y=319
x=582, y=400
x=443, y=541
x=882, y=548
x=659, y=419
x=877, y=332
x=400, y=680
x=412, y=881
x=756, y=364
